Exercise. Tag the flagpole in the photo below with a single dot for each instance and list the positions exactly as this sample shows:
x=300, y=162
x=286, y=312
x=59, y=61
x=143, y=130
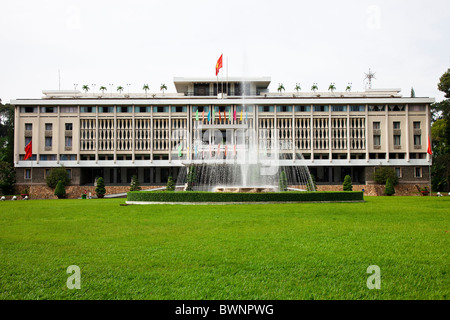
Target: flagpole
x=227, y=76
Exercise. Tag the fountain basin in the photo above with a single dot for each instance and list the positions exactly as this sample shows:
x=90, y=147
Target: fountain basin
x=245, y=189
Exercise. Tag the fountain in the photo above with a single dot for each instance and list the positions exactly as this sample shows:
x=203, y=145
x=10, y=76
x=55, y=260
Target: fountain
x=228, y=156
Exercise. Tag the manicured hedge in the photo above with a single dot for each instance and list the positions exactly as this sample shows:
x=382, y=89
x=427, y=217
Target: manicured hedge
x=194, y=196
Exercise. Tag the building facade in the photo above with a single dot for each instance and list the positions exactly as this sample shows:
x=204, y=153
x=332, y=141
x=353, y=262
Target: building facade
x=152, y=135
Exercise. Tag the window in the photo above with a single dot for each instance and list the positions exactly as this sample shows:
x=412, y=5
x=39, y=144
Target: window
x=28, y=126
x=27, y=140
x=398, y=172
x=160, y=109
x=416, y=108
x=397, y=108
x=68, y=142
x=418, y=172
x=321, y=108
x=396, y=125
x=48, y=109
x=376, y=125
x=27, y=174
x=376, y=140
x=302, y=108
x=265, y=108
x=48, y=157
x=339, y=108
x=179, y=109
x=69, y=126
x=28, y=109
x=376, y=108
x=48, y=127
x=48, y=141
x=284, y=108
x=244, y=108
x=142, y=109
x=200, y=109
x=87, y=109
x=68, y=109
x=416, y=124
x=69, y=173
x=417, y=140
x=124, y=109
x=397, y=140
x=65, y=157
x=357, y=108
x=106, y=109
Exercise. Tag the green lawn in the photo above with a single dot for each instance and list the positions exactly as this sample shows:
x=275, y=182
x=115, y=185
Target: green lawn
x=276, y=251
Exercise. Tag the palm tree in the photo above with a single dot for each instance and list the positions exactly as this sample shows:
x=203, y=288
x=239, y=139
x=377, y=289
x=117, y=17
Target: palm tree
x=145, y=88
x=297, y=87
x=85, y=88
x=314, y=87
x=331, y=87
x=120, y=89
x=280, y=87
x=163, y=87
x=103, y=89
x=349, y=87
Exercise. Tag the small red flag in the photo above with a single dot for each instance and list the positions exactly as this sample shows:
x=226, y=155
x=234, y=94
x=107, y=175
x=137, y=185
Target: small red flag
x=28, y=151
x=219, y=64
x=429, y=146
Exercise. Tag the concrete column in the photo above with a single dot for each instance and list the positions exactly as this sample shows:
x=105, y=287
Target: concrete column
x=408, y=138
x=387, y=133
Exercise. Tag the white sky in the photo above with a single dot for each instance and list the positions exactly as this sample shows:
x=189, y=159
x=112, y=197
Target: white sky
x=407, y=43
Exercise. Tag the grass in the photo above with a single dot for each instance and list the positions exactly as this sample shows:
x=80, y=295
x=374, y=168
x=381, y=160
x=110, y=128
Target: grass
x=275, y=251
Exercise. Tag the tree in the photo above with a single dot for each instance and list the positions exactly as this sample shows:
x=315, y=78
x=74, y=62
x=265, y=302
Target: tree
x=7, y=133
x=100, y=190
x=85, y=88
x=311, y=184
x=163, y=87
x=7, y=177
x=440, y=132
x=280, y=87
x=347, y=185
x=170, y=184
x=413, y=93
x=119, y=89
x=331, y=87
x=57, y=174
x=382, y=173
x=134, y=186
x=389, y=187
x=103, y=89
x=444, y=84
x=314, y=87
x=282, y=183
x=191, y=178
x=145, y=88
x=297, y=87
x=60, y=190
x=349, y=87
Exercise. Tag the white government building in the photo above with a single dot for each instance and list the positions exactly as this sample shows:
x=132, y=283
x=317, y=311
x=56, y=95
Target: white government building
x=117, y=135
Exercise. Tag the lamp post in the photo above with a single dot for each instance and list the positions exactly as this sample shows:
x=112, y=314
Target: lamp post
x=128, y=86
x=110, y=87
x=75, y=86
x=93, y=85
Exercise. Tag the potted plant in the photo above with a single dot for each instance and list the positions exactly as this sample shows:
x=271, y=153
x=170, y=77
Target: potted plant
x=424, y=191
x=100, y=188
x=25, y=193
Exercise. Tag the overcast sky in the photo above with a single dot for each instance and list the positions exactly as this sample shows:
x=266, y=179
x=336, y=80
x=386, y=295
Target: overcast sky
x=407, y=43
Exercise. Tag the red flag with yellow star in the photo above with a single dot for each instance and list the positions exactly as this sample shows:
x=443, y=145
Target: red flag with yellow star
x=219, y=64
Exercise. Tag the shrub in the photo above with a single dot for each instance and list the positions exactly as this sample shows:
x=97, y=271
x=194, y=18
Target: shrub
x=389, y=188
x=282, y=183
x=56, y=175
x=381, y=175
x=100, y=189
x=134, y=186
x=197, y=196
x=60, y=190
x=170, y=184
x=311, y=184
x=7, y=177
x=191, y=178
x=347, y=185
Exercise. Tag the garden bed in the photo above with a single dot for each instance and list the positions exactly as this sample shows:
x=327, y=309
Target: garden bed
x=139, y=197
